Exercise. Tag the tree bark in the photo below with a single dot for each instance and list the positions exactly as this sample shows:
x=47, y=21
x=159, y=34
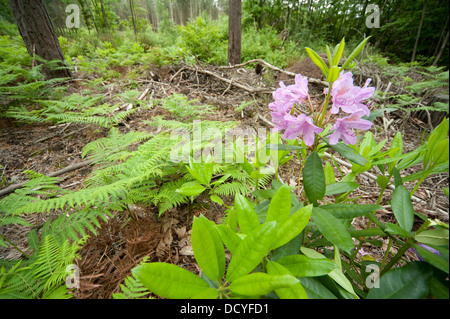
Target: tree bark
x=133, y=17
x=234, y=32
x=38, y=33
x=418, y=31
x=105, y=18
x=444, y=44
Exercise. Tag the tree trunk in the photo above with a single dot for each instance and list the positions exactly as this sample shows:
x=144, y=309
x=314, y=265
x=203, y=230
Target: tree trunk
x=234, y=33
x=37, y=32
x=92, y=16
x=105, y=18
x=444, y=44
x=418, y=31
x=133, y=17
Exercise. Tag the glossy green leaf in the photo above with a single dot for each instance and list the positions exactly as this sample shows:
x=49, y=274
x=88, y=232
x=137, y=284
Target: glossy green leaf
x=196, y=171
x=347, y=211
x=438, y=290
x=330, y=178
x=369, y=232
x=292, y=292
x=329, y=56
x=441, y=153
x=191, y=189
x=251, y=251
x=208, y=249
x=315, y=289
x=303, y=266
x=259, y=284
x=333, y=74
x=439, y=237
x=408, y=282
x=349, y=153
x=207, y=293
x=355, y=52
x=314, y=178
x=217, y=199
x=292, y=226
x=169, y=281
x=403, y=208
x=247, y=218
x=332, y=229
x=397, y=144
x=340, y=187
x=336, y=274
x=208, y=171
x=382, y=181
x=229, y=238
x=432, y=258
x=338, y=52
x=438, y=134
x=280, y=205
x=396, y=230
x=317, y=60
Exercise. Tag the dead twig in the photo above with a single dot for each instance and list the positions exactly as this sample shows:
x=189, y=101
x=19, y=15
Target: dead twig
x=129, y=106
x=66, y=169
x=270, y=66
x=235, y=83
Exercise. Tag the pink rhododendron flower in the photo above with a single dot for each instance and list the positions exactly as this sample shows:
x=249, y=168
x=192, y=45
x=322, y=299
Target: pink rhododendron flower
x=342, y=127
x=300, y=88
x=285, y=97
x=348, y=97
x=301, y=126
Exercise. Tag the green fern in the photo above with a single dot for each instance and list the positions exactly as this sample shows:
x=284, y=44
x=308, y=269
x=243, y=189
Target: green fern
x=179, y=106
x=43, y=274
x=132, y=289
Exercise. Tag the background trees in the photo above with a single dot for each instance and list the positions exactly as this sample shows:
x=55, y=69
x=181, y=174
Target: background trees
x=298, y=21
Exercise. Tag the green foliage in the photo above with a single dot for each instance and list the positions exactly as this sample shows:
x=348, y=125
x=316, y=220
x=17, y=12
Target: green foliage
x=205, y=40
x=207, y=242
x=74, y=108
x=43, y=273
x=19, y=82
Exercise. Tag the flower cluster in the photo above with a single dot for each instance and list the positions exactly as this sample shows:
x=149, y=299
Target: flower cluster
x=344, y=96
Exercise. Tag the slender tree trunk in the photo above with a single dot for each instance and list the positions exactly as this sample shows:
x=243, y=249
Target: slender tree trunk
x=37, y=32
x=133, y=18
x=444, y=44
x=418, y=31
x=234, y=32
x=92, y=16
x=438, y=45
x=105, y=18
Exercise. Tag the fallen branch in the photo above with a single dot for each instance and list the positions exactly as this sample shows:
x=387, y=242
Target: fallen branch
x=270, y=66
x=66, y=169
x=129, y=106
x=235, y=83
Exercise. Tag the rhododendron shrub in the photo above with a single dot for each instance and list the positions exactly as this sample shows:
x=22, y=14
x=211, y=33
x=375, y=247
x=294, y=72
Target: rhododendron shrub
x=298, y=240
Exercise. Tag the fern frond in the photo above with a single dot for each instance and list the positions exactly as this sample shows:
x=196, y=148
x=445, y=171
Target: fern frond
x=132, y=289
x=52, y=260
x=232, y=188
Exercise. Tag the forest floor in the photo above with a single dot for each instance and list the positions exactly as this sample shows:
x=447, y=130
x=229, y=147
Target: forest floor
x=106, y=260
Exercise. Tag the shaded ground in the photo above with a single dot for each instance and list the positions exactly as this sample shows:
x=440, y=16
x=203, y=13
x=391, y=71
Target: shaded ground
x=122, y=243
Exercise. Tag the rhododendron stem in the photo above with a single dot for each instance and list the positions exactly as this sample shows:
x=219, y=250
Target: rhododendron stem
x=325, y=106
